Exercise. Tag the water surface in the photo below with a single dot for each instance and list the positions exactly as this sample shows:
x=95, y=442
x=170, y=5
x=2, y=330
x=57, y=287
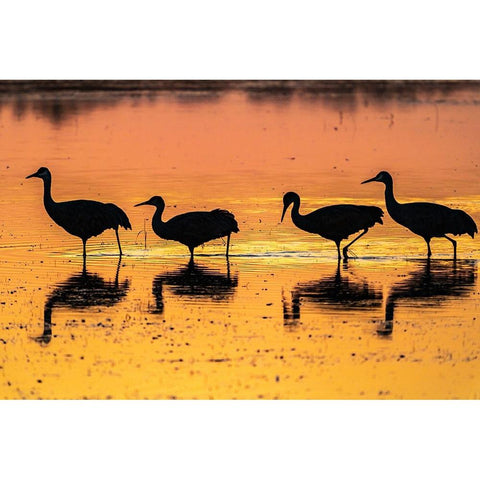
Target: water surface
x=281, y=319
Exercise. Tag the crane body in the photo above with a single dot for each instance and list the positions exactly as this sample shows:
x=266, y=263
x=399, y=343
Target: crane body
x=82, y=218
x=335, y=222
x=192, y=228
x=428, y=220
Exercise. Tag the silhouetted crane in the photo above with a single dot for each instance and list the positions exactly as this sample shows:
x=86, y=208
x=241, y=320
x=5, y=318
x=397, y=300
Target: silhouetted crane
x=81, y=218
x=426, y=219
x=336, y=222
x=192, y=228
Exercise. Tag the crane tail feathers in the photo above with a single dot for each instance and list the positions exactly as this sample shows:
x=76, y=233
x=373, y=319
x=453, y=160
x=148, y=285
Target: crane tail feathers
x=226, y=220
x=375, y=214
x=118, y=217
x=461, y=223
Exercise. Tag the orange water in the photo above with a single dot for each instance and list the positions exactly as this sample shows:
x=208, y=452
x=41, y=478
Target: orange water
x=281, y=320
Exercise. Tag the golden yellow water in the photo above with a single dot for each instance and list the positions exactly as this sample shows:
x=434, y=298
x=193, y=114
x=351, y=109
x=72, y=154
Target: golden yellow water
x=281, y=319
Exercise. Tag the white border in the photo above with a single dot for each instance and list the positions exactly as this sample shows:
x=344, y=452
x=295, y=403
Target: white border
x=239, y=440
x=239, y=40
x=216, y=39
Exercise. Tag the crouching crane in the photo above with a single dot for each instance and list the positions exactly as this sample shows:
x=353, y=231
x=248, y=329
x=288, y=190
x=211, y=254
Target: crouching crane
x=192, y=228
x=335, y=222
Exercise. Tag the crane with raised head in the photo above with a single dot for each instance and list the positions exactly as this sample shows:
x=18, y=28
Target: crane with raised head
x=425, y=219
x=81, y=218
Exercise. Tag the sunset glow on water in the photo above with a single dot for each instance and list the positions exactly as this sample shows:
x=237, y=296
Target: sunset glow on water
x=281, y=319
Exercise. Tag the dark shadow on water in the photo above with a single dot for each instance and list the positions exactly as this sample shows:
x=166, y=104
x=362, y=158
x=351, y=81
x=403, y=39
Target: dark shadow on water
x=197, y=97
x=58, y=107
x=339, y=291
x=59, y=101
x=429, y=284
x=195, y=282
x=81, y=291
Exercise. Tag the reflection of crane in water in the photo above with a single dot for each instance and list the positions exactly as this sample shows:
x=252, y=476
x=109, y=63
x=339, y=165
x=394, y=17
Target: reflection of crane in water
x=81, y=291
x=335, y=291
x=429, y=285
x=195, y=281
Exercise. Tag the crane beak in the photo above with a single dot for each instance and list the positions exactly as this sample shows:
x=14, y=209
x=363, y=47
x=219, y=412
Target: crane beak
x=32, y=175
x=283, y=214
x=143, y=203
x=374, y=179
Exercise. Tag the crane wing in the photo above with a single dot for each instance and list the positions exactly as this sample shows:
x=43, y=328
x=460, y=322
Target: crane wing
x=196, y=228
x=434, y=220
x=88, y=218
x=343, y=220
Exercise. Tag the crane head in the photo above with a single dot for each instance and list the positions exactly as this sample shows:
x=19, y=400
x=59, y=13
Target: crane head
x=288, y=199
x=156, y=201
x=42, y=173
x=383, y=177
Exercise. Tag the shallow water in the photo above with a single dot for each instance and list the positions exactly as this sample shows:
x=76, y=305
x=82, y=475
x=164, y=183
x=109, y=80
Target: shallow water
x=281, y=319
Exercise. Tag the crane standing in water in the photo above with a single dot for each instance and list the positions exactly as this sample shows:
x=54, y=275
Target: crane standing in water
x=335, y=222
x=426, y=219
x=81, y=218
x=193, y=228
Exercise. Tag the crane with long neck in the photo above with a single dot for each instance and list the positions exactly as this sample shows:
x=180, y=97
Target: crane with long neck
x=192, y=228
x=425, y=219
x=81, y=218
x=335, y=222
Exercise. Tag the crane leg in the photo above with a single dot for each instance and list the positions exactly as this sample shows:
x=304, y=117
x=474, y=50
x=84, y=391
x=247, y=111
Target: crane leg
x=454, y=243
x=118, y=241
x=84, y=247
x=228, y=244
x=338, y=249
x=191, y=254
x=345, y=254
x=429, y=251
